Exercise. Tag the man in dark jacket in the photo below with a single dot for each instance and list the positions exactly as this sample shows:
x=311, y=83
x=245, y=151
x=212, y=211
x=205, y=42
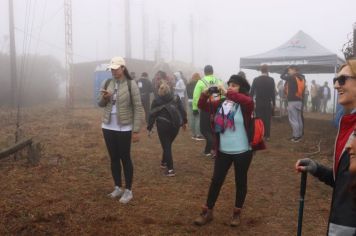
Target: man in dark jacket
x=295, y=93
x=145, y=86
x=263, y=88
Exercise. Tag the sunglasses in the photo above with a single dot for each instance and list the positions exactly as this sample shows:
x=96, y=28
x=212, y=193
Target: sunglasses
x=342, y=79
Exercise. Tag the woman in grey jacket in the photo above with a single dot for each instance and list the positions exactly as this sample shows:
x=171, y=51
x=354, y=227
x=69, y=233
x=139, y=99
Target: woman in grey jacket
x=121, y=122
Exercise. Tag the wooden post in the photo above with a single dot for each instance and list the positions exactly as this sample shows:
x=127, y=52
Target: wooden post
x=33, y=150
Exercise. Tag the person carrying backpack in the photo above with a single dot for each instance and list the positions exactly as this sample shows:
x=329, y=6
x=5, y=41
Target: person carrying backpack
x=232, y=123
x=295, y=96
x=263, y=88
x=123, y=112
x=209, y=80
x=168, y=113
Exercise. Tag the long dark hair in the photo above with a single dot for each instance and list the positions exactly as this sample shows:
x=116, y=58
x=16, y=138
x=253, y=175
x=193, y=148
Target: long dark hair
x=126, y=73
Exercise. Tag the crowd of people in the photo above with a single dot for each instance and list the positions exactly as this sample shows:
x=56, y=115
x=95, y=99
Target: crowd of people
x=221, y=114
x=319, y=97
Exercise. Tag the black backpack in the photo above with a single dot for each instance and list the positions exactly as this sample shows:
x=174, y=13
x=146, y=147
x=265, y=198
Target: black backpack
x=173, y=110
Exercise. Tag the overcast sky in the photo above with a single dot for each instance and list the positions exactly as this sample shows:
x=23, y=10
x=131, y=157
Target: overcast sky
x=225, y=30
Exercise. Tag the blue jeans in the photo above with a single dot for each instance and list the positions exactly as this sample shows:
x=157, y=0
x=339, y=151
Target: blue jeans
x=193, y=121
x=295, y=118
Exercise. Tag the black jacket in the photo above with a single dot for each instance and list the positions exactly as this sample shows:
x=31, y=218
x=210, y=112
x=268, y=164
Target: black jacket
x=263, y=88
x=158, y=109
x=343, y=211
x=292, y=86
x=145, y=87
x=190, y=89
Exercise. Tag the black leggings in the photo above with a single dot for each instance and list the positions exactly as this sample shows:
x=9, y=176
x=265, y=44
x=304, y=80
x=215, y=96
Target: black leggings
x=206, y=131
x=166, y=133
x=118, y=144
x=221, y=167
x=264, y=111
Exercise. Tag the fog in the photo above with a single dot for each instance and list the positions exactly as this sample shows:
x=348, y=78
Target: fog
x=224, y=30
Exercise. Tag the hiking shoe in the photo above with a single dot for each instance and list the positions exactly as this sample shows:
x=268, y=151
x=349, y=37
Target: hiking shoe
x=296, y=140
x=170, y=173
x=207, y=154
x=163, y=165
x=235, y=221
x=199, y=138
x=118, y=192
x=205, y=216
x=126, y=197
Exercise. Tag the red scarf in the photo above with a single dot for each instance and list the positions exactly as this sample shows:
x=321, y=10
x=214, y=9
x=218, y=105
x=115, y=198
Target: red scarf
x=346, y=128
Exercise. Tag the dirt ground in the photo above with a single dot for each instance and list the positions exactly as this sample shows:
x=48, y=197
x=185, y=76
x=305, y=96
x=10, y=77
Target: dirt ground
x=66, y=193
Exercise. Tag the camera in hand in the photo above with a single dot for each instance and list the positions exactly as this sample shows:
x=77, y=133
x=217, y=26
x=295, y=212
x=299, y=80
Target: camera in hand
x=213, y=90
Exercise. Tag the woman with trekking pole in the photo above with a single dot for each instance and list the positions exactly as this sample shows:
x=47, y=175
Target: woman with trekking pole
x=342, y=219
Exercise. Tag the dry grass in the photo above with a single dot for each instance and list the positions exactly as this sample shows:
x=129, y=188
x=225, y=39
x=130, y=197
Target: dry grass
x=66, y=193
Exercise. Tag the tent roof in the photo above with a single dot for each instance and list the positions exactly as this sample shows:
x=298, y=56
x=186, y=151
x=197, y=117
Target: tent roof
x=301, y=50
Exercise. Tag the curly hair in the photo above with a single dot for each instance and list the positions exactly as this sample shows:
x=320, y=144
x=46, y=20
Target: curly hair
x=163, y=89
x=242, y=82
x=195, y=77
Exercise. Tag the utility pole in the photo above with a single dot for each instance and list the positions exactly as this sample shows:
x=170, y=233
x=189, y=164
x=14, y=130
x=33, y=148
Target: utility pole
x=192, y=37
x=68, y=52
x=13, y=67
x=127, y=29
x=354, y=42
x=173, y=31
x=158, y=49
x=144, y=32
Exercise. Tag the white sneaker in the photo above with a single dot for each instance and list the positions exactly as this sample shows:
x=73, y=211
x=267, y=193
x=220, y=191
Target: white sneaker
x=126, y=197
x=118, y=192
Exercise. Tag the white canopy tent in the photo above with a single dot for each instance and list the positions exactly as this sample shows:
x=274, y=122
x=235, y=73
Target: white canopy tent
x=301, y=50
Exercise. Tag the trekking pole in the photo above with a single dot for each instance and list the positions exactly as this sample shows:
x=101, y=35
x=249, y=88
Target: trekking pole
x=303, y=186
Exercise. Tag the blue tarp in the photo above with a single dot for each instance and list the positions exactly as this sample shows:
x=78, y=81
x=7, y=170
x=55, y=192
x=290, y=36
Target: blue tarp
x=99, y=76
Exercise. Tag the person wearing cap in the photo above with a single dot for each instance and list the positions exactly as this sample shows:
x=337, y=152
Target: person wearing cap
x=263, y=88
x=295, y=83
x=342, y=218
x=232, y=121
x=145, y=86
x=121, y=123
x=209, y=80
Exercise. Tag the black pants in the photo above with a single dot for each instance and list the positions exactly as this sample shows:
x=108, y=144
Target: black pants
x=146, y=105
x=221, y=167
x=264, y=111
x=166, y=133
x=206, y=131
x=118, y=144
x=316, y=104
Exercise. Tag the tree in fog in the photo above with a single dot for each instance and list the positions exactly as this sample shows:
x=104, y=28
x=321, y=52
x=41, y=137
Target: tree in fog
x=38, y=80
